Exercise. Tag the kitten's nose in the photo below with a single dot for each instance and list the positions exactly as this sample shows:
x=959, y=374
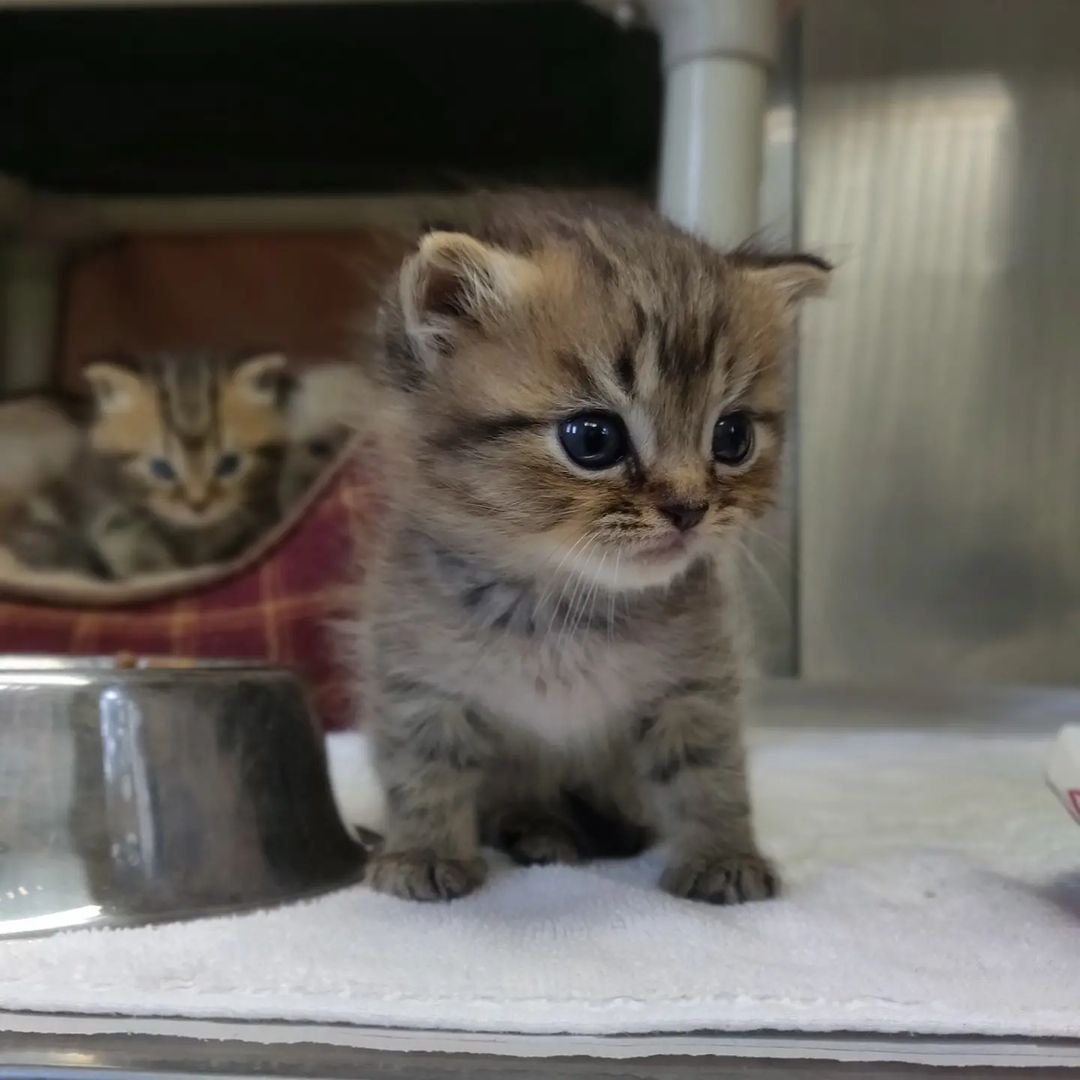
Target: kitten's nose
x=684, y=516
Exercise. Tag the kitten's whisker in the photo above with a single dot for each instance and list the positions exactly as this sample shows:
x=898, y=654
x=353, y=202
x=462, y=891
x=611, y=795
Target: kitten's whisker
x=562, y=562
x=600, y=586
x=614, y=592
x=555, y=579
x=579, y=588
x=742, y=548
x=540, y=600
x=589, y=596
x=563, y=574
x=573, y=579
x=536, y=603
x=579, y=596
x=781, y=549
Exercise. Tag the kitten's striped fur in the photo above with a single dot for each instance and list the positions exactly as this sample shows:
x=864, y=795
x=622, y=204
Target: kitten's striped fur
x=550, y=668
x=150, y=493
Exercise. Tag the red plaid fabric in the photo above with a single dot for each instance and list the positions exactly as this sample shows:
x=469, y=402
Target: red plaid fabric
x=281, y=609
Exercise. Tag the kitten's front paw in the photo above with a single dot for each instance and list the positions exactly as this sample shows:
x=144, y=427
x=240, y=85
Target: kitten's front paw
x=725, y=879
x=418, y=875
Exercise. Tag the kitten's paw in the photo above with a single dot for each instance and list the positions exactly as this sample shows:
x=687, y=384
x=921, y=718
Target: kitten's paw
x=418, y=875
x=534, y=836
x=725, y=879
x=546, y=843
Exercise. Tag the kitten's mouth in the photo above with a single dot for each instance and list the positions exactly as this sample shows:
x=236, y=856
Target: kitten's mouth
x=662, y=550
x=188, y=517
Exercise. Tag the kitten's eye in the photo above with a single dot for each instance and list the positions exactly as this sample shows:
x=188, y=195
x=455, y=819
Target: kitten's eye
x=161, y=469
x=227, y=464
x=593, y=440
x=733, y=438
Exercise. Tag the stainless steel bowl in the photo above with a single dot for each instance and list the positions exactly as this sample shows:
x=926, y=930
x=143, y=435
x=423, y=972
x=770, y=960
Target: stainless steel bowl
x=138, y=794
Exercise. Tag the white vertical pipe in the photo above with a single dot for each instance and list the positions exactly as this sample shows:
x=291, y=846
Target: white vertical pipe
x=29, y=311
x=711, y=166
x=716, y=59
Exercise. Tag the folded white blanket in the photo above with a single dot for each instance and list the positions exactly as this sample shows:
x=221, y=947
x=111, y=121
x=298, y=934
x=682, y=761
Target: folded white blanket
x=933, y=886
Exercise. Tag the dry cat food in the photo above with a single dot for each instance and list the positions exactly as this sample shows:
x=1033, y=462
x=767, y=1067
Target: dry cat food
x=129, y=661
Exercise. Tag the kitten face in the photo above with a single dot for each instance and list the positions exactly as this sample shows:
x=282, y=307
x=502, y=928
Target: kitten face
x=605, y=398
x=192, y=437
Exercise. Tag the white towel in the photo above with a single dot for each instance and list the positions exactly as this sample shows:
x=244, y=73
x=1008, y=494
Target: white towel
x=933, y=886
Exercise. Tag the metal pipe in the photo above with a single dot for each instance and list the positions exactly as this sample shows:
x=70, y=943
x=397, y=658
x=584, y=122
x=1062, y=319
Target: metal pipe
x=716, y=56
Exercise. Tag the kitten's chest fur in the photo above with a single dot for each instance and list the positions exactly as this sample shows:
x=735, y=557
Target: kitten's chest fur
x=563, y=693
x=559, y=664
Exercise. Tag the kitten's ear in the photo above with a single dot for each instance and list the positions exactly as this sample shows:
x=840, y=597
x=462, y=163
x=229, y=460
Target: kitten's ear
x=793, y=277
x=263, y=378
x=455, y=281
x=115, y=388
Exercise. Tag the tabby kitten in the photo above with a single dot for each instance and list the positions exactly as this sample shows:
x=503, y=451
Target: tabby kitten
x=180, y=467
x=580, y=408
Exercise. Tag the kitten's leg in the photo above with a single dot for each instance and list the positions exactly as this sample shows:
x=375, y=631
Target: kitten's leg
x=430, y=753
x=691, y=757
x=41, y=545
x=127, y=545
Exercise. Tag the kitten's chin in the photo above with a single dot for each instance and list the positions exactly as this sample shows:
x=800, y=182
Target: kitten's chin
x=631, y=569
x=181, y=517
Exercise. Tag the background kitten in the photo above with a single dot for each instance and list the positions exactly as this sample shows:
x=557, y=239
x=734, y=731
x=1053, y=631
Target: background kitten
x=320, y=403
x=581, y=407
x=180, y=467
x=39, y=438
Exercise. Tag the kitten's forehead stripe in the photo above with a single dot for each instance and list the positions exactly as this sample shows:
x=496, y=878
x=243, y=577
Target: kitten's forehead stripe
x=599, y=260
x=187, y=392
x=642, y=428
x=216, y=427
x=577, y=372
x=688, y=347
x=627, y=375
x=646, y=366
x=673, y=361
x=715, y=330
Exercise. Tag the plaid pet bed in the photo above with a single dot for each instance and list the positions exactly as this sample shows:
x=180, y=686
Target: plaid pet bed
x=278, y=604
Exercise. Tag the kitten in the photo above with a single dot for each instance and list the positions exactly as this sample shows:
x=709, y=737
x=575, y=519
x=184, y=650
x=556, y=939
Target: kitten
x=39, y=438
x=318, y=408
x=580, y=409
x=180, y=467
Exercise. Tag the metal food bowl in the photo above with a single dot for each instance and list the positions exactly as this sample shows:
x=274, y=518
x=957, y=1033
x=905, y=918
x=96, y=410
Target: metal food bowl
x=141, y=791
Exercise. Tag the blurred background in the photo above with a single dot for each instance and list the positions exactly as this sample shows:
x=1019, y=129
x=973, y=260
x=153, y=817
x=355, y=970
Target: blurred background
x=242, y=175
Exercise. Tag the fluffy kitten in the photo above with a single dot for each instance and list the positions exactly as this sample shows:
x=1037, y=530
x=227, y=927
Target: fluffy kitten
x=181, y=467
x=580, y=409
x=39, y=438
x=319, y=405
